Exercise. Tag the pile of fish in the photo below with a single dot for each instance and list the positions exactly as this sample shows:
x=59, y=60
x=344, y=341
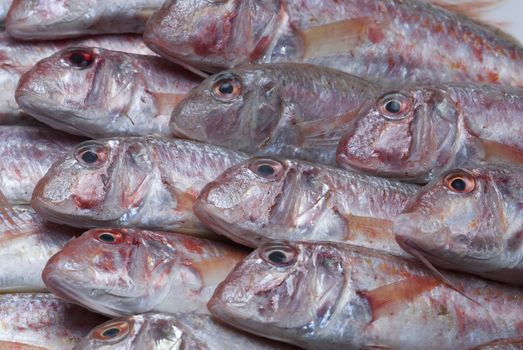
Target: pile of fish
x=259, y=174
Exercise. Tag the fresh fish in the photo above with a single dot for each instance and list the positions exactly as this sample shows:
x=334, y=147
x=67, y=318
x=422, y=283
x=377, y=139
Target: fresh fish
x=264, y=199
x=292, y=110
x=4, y=8
x=337, y=296
x=384, y=41
x=121, y=272
x=17, y=58
x=59, y=19
x=468, y=220
x=27, y=152
x=417, y=133
x=147, y=182
x=43, y=322
x=101, y=93
x=156, y=331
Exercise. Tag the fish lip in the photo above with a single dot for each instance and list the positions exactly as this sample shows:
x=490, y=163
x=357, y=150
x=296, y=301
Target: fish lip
x=407, y=244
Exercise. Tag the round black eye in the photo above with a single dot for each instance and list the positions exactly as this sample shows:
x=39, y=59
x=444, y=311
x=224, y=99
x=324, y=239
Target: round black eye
x=279, y=254
x=393, y=107
x=265, y=170
x=458, y=185
x=111, y=332
x=226, y=88
x=107, y=237
x=277, y=257
x=460, y=181
x=89, y=157
x=80, y=59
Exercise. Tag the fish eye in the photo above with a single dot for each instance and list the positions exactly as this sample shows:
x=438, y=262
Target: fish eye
x=112, y=331
x=267, y=168
x=394, y=106
x=111, y=237
x=460, y=182
x=227, y=88
x=279, y=255
x=80, y=58
x=91, y=154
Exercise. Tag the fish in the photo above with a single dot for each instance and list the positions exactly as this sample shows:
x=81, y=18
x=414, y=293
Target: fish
x=27, y=153
x=42, y=321
x=61, y=19
x=182, y=331
x=415, y=134
x=385, y=42
x=4, y=8
x=119, y=272
x=337, y=296
x=289, y=110
x=18, y=57
x=99, y=93
x=265, y=199
x=148, y=182
x=468, y=220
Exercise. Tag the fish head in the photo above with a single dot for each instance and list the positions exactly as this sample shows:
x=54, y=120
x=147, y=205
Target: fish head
x=212, y=34
x=237, y=108
x=283, y=288
x=81, y=90
x=405, y=134
x=459, y=218
x=41, y=18
x=98, y=183
x=112, y=271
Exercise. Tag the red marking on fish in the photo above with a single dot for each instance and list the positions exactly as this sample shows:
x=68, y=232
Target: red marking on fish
x=376, y=35
x=192, y=246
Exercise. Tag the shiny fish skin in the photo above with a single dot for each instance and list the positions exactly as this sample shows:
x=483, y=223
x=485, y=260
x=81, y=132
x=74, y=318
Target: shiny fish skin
x=27, y=152
x=476, y=230
x=108, y=93
x=437, y=128
x=139, y=271
x=302, y=201
x=4, y=8
x=384, y=41
x=17, y=58
x=336, y=296
x=43, y=320
x=59, y=19
x=291, y=110
x=147, y=182
x=154, y=331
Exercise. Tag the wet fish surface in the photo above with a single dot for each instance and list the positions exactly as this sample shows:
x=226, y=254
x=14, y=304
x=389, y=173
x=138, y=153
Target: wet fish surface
x=59, y=19
x=121, y=272
x=265, y=199
x=332, y=296
x=417, y=133
x=148, y=182
x=42, y=320
x=468, y=220
x=100, y=93
x=156, y=331
x=291, y=110
x=385, y=42
x=4, y=8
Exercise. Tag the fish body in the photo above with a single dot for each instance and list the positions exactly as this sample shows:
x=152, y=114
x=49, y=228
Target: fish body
x=42, y=321
x=337, y=296
x=60, y=19
x=290, y=110
x=100, y=93
x=385, y=42
x=4, y=8
x=18, y=57
x=183, y=331
x=147, y=182
x=266, y=199
x=468, y=220
x=417, y=133
x=27, y=152
x=121, y=272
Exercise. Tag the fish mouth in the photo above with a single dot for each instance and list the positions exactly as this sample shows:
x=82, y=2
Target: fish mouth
x=408, y=245
x=177, y=131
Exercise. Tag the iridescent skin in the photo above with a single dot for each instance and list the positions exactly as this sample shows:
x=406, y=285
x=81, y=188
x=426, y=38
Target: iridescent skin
x=302, y=201
x=18, y=57
x=114, y=94
x=58, y=19
x=478, y=232
x=384, y=41
x=27, y=153
x=147, y=182
x=44, y=321
x=291, y=110
x=156, y=331
x=140, y=271
x=442, y=127
x=337, y=296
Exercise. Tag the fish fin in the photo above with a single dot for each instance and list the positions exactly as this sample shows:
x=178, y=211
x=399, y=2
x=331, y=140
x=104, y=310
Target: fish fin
x=9, y=219
x=495, y=344
x=372, y=227
x=386, y=299
x=7, y=345
x=333, y=38
x=145, y=13
x=213, y=271
x=166, y=102
x=495, y=151
x=184, y=199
